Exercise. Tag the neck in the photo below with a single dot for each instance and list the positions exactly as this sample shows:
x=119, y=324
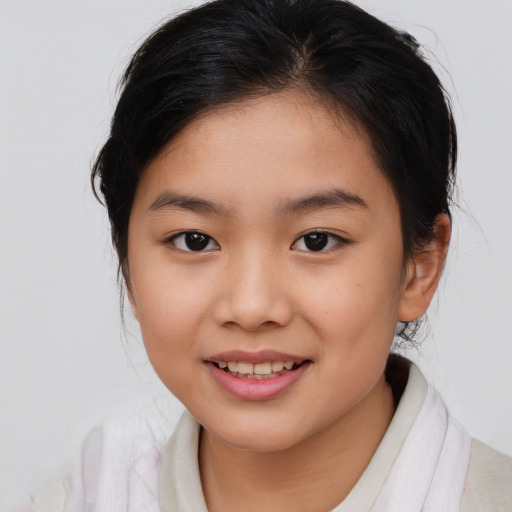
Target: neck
x=316, y=474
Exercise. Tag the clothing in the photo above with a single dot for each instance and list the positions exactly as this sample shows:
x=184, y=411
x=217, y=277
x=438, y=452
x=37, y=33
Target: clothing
x=425, y=462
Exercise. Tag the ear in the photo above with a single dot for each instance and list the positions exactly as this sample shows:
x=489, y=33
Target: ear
x=133, y=304
x=424, y=271
x=129, y=290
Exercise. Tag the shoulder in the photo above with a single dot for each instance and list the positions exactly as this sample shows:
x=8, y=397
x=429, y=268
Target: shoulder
x=118, y=465
x=489, y=480
x=50, y=498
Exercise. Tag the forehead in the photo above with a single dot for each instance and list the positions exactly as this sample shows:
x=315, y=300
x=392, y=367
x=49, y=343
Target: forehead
x=266, y=150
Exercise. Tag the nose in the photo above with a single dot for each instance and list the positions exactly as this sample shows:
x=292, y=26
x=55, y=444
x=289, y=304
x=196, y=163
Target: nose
x=253, y=294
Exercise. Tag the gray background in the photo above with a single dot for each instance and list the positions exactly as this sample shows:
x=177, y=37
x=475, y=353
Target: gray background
x=64, y=362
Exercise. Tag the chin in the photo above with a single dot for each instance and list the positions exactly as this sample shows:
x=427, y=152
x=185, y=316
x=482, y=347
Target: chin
x=274, y=435
x=262, y=441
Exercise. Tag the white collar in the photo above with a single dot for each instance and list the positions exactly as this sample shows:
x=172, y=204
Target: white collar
x=420, y=464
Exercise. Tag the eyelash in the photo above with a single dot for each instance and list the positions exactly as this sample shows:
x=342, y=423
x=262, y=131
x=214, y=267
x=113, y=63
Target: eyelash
x=181, y=243
x=335, y=240
x=180, y=239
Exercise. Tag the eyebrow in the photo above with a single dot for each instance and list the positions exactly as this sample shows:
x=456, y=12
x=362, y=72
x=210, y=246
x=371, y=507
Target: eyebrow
x=191, y=203
x=336, y=198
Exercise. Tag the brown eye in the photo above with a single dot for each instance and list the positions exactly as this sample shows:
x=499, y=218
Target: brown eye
x=317, y=241
x=193, y=241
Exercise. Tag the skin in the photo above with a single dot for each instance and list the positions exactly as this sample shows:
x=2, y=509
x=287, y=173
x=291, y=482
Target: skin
x=257, y=287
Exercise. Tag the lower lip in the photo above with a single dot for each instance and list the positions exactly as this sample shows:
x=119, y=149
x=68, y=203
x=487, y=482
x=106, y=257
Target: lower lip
x=256, y=389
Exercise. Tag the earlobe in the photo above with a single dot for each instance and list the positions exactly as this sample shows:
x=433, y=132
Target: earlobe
x=424, y=271
x=129, y=292
x=133, y=304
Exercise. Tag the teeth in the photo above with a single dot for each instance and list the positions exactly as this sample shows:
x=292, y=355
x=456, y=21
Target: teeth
x=277, y=366
x=262, y=368
x=245, y=368
x=266, y=368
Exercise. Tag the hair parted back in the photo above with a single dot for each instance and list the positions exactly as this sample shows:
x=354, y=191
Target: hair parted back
x=230, y=50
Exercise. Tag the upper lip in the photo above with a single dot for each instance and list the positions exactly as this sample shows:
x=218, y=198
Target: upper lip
x=262, y=356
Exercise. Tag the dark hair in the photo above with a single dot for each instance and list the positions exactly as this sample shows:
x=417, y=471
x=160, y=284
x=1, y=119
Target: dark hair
x=230, y=50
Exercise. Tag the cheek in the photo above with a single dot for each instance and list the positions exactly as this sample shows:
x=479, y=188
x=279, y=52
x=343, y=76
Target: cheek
x=168, y=321
x=169, y=308
x=357, y=301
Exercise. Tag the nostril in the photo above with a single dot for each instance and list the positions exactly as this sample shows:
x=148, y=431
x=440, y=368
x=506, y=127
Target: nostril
x=267, y=325
x=252, y=305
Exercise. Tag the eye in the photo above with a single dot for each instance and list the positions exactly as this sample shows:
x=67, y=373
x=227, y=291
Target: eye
x=193, y=241
x=317, y=241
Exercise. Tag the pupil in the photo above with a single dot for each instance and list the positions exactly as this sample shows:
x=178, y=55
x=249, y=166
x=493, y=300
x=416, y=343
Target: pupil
x=196, y=241
x=315, y=241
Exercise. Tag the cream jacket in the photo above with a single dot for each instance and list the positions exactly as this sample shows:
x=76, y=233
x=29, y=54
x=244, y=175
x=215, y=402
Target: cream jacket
x=425, y=462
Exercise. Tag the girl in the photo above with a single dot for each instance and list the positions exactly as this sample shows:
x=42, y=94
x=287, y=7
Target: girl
x=278, y=180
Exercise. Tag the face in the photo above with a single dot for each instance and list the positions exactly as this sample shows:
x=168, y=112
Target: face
x=265, y=260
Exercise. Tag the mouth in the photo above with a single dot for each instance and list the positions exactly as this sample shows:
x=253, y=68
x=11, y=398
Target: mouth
x=261, y=376
x=257, y=371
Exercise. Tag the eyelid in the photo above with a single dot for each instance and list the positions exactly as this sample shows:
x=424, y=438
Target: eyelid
x=340, y=240
x=171, y=240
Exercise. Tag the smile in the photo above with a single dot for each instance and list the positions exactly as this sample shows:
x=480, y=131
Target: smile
x=265, y=370
x=258, y=380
